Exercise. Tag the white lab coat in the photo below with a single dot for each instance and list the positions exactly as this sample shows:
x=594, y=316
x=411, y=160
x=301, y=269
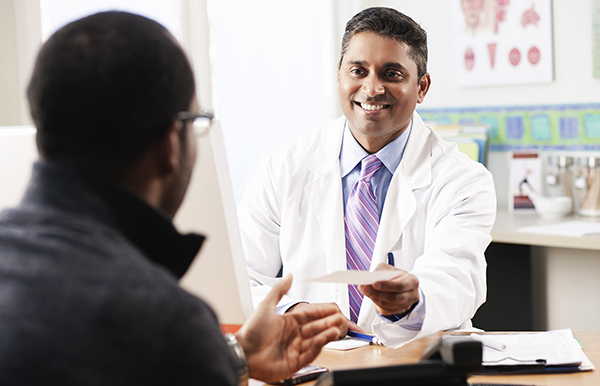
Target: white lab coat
x=436, y=220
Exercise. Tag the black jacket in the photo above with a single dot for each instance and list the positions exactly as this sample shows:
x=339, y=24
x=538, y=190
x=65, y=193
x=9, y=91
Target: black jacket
x=89, y=291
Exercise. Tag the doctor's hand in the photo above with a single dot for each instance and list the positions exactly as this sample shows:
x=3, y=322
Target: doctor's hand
x=276, y=346
x=393, y=296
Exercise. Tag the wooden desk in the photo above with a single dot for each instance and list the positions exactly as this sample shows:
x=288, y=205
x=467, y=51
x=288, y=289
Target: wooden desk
x=373, y=356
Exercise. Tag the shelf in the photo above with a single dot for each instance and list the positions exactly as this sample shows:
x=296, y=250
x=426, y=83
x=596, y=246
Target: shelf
x=506, y=225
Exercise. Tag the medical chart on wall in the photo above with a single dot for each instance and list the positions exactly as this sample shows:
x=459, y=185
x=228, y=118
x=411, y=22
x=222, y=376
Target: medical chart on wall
x=503, y=42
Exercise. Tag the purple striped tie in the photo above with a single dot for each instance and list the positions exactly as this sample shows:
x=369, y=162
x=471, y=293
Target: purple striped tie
x=361, y=223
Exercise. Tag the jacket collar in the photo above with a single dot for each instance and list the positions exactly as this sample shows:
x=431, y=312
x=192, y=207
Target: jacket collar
x=80, y=195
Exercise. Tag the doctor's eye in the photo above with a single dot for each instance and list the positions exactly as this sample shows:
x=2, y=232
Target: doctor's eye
x=394, y=75
x=357, y=71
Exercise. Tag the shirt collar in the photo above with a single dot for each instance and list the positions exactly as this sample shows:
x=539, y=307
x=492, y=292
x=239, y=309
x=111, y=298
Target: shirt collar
x=351, y=153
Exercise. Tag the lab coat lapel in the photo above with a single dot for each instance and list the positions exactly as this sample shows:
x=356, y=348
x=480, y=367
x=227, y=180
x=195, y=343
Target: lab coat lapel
x=325, y=195
x=413, y=173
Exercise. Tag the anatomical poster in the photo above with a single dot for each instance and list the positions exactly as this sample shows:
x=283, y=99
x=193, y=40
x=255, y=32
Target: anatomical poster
x=503, y=42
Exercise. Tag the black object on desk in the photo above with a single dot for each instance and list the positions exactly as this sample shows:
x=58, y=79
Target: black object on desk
x=447, y=362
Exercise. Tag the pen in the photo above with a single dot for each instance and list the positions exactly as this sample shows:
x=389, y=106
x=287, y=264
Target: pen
x=369, y=338
x=489, y=342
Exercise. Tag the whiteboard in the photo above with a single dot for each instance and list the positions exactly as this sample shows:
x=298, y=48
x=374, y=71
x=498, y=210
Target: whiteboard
x=18, y=152
x=218, y=274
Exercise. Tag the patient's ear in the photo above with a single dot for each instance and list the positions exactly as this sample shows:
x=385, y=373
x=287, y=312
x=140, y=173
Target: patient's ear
x=168, y=150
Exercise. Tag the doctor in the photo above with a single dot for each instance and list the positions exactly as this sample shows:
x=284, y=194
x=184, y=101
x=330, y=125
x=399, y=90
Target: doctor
x=430, y=208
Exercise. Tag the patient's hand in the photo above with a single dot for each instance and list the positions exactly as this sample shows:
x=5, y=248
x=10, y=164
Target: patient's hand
x=276, y=346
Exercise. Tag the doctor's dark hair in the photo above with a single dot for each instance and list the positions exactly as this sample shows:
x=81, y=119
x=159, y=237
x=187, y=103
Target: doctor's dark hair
x=392, y=24
x=105, y=88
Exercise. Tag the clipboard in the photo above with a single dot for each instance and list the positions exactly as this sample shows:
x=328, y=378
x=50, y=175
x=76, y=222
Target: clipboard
x=533, y=353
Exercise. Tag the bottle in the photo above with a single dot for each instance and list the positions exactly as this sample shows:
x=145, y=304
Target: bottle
x=586, y=186
x=559, y=176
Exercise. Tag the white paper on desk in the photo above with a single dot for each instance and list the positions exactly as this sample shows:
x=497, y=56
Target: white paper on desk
x=347, y=343
x=357, y=277
x=556, y=347
x=569, y=228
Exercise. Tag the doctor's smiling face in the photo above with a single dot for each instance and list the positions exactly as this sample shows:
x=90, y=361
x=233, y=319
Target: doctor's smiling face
x=379, y=88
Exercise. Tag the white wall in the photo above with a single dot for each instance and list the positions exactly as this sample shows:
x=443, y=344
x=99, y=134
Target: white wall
x=273, y=74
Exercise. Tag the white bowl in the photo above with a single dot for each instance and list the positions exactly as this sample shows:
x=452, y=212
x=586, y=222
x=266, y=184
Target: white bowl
x=552, y=207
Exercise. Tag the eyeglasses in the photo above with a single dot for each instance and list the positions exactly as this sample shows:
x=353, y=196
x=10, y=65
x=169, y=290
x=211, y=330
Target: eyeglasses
x=201, y=120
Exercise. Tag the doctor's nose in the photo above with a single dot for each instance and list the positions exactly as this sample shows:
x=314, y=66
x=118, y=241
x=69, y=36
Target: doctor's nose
x=372, y=86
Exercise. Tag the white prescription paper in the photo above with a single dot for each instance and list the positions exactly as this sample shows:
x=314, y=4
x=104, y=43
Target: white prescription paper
x=569, y=228
x=347, y=343
x=357, y=277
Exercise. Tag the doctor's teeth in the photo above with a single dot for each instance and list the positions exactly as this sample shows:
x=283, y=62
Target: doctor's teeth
x=371, y=107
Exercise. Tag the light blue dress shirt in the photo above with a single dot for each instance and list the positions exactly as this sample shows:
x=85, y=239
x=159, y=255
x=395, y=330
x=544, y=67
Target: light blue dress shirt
x=351, y=154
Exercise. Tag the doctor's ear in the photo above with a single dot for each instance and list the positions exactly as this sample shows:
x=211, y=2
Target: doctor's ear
x=424, y=85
